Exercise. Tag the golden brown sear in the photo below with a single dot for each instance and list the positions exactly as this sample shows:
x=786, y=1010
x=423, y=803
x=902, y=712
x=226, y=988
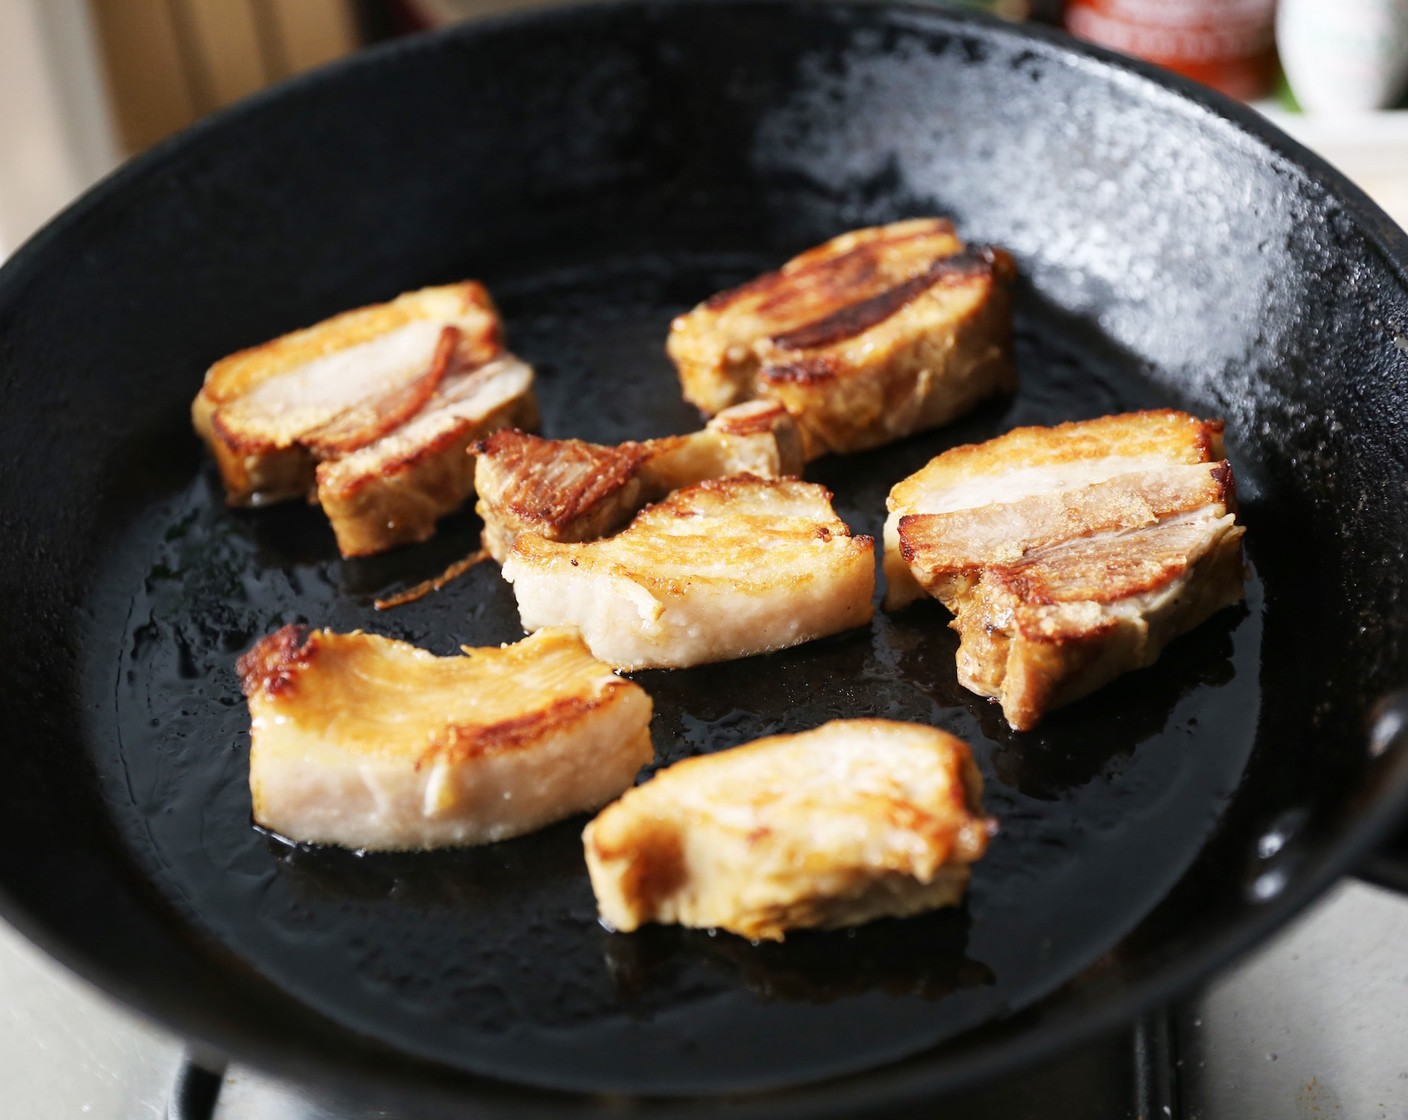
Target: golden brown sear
x=366, y=742
x=369, y=412
x=721, y=569
x=852, y=821
x=393, y=491
x=570, y=490
x=876, y=334
x=1071, y=554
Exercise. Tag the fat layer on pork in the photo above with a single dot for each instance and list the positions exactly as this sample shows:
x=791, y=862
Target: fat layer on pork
x=368, y=413
x=721, y=569
x=366, y=742
x=1070, y=554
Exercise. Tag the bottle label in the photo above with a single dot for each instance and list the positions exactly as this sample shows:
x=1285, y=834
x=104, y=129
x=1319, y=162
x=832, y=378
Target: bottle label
x=1176, y=31
x=1205, y=39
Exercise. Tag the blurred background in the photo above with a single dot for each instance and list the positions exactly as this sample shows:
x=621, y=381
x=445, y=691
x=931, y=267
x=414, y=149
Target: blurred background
x=88, y=83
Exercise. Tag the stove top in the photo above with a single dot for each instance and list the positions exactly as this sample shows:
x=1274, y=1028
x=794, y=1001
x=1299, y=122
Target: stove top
x=1313, y=1027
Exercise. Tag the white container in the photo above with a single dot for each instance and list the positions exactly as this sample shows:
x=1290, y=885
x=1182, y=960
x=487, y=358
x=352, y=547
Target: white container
x=1343, y=55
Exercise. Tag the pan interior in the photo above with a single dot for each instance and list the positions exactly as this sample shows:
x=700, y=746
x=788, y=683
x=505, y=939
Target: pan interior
x=490, y=959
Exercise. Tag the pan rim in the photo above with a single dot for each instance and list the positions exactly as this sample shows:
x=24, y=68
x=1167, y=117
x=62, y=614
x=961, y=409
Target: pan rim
x=1072, y=1022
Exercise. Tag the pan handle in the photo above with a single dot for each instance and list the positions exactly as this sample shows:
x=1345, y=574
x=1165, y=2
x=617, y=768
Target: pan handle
x=197, y=1087
x=1388, y=866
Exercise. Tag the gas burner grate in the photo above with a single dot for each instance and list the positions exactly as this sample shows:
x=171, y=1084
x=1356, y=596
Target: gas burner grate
x=1130, y=1075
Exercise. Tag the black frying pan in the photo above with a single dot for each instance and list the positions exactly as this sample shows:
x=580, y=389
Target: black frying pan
x=603, y=169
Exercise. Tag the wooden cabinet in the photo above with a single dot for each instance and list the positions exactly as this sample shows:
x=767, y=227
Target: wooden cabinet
x=171, y=61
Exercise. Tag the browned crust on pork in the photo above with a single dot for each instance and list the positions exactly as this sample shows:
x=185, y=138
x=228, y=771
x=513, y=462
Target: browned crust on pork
x=735, y=516
x=462, y=742
x=1108, y=572
x=714, y=345
x=755, y=418
x=857, y=338
x=1057, y=592
x=364, y=422
x=649, y=854
x=1177, y=436
x=1047, y=658
x=572, y=491
x=946, y=544
x=654, y=862
x=394, y=465
x=825, y=275
x=403, y=499
x=809, y=370
x=551, y=503
x=370, y=420
x=237, y=374
x=271, y=668
x=744, y=483
x=921, y=366
x=856, y=318
x=256, y=469
x=274, y=662
x=461, y=438
x=255, y=478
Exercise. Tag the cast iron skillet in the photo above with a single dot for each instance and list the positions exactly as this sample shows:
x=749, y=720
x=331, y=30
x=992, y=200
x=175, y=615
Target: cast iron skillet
x=602, y=169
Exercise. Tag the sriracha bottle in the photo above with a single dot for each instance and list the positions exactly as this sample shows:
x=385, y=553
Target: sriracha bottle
x=1227, y=44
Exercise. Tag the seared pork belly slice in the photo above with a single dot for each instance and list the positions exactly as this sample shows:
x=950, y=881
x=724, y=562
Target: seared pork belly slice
x=366, y=742
x=855, y=820
x=1069, y=555
x=1042, y=633
x=571, y=490
x=874, y=335
x=720, y=569
x=1033, y=461
x=271, y=412
x=393, y=491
